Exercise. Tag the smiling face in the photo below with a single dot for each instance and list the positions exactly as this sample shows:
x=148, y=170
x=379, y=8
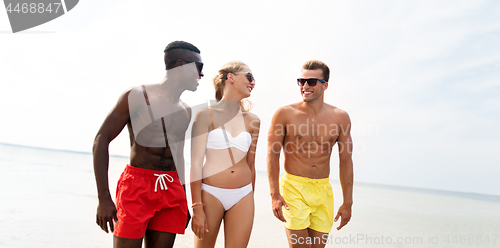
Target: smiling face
x=190, y=76
x=242, y=83
x=312, y=93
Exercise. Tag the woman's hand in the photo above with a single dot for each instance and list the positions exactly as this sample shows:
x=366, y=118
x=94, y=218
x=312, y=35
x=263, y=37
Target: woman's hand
x=199, y=222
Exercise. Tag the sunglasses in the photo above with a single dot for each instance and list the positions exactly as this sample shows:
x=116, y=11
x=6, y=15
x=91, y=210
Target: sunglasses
x=199, y=65
x=310, y=81
x=249, y=76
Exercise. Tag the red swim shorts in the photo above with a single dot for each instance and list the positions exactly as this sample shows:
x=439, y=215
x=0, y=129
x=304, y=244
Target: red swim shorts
x=149, y=199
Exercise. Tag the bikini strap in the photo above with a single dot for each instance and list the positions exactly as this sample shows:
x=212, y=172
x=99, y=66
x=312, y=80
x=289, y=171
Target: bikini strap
x=145, y=94
x=228, y=147
x=151, y=115
x=225, y=135
x=147, y=102
x=211, y=118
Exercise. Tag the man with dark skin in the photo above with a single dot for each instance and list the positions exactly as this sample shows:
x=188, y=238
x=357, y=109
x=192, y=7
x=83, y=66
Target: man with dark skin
x=307, y=132
x=157, y=120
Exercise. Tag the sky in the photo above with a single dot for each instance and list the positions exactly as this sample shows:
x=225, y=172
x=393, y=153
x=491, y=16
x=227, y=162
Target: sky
x=419, y=79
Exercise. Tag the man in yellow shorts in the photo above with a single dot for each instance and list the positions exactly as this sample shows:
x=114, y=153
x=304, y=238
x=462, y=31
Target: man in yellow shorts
x=306, y=132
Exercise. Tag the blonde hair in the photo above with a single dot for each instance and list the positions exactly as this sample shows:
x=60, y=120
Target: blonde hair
x=220, y=82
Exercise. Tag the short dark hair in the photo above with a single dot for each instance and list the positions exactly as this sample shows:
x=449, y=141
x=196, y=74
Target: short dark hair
x=177, y=50
x=316, y=64
x=178, y=44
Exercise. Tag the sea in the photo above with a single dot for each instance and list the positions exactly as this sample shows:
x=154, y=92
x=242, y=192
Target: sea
x=48, y=198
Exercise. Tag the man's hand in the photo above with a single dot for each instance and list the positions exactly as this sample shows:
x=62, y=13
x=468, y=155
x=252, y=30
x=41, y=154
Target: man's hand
x=344, y=213
x=278, y=203
x=106, y=212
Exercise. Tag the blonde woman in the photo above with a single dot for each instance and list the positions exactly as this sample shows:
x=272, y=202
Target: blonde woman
x=222, y=161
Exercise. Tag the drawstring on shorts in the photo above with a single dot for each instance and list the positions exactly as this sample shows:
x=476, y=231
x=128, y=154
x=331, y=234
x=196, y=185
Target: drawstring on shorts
x=161, y=181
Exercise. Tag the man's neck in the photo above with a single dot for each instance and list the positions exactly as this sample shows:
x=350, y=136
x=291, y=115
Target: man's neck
x=313, y=107
x=170, y=90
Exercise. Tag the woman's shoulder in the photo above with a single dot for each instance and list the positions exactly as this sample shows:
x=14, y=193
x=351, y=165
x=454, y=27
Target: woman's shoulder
x=250, y=115
x=252, y=118
x=202, y=114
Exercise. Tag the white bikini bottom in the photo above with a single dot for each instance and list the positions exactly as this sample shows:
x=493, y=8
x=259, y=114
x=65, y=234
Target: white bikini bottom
x=228, y=197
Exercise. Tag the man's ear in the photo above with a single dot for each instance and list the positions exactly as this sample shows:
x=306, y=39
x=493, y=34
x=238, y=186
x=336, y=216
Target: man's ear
x=325, y=85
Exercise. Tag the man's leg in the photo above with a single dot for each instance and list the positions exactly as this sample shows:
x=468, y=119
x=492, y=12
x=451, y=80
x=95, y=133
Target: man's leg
x=126, y=243
x=157, y=239
x=297, y=238
x=305, y=238
x=317, y=237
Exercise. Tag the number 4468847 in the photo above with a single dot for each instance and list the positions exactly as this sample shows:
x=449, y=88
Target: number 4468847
x=33, y=8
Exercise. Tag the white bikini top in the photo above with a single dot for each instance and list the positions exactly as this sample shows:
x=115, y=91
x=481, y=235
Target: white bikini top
x=222, y=139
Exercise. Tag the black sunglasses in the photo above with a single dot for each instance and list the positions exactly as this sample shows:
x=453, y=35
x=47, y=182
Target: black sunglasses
x=199, y=65
x=249, y=76
x=310, y=81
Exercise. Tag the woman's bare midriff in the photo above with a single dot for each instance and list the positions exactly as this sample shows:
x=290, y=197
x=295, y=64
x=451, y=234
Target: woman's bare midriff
x=221, y=173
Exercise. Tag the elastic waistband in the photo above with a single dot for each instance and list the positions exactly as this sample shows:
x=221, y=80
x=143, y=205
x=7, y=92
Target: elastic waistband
x=290, y=177
x=148, y=174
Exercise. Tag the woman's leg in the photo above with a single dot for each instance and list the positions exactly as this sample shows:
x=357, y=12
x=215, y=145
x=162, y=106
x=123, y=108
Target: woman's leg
x=238, y=222
x=214, y=211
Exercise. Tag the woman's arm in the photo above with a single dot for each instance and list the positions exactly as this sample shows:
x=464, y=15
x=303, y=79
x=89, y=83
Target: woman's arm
x=255, y=126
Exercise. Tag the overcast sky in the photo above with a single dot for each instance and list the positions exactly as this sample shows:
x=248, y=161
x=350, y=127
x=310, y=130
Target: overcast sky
x=420, y=79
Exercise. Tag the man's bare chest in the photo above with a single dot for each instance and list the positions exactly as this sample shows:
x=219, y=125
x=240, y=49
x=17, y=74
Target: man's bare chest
x=314, y=130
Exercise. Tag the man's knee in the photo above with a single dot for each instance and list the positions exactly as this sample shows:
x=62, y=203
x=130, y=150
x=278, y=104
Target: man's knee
x=306, y=238
x=154, y=239
x=126, y=243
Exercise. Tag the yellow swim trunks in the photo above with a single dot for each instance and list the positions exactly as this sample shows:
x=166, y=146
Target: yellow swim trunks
x=310, y=202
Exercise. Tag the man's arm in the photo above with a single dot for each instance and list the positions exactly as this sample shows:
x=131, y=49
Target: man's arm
x=111, y=127
x=346, y=173
x=181, y=165
x=275, y=139
x=199, y=223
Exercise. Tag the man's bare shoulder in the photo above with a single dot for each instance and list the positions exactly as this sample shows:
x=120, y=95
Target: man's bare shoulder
x=283, y=113
x=124, y=97
x=289, y=109
x=337, y=112
x=133, y=91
